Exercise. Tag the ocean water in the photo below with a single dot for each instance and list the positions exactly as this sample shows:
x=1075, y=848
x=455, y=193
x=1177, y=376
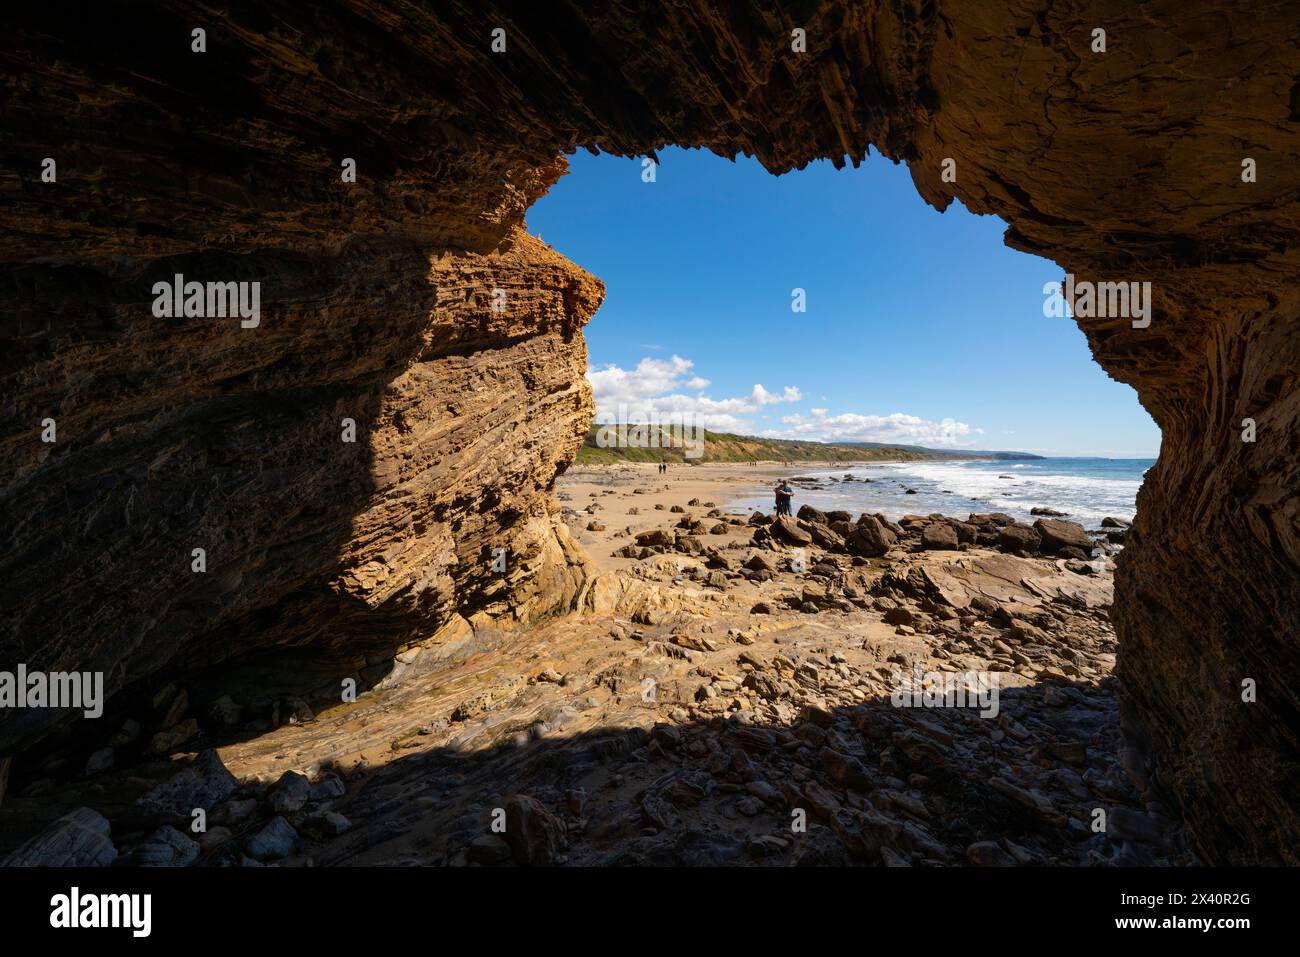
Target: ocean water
x=1089, y=489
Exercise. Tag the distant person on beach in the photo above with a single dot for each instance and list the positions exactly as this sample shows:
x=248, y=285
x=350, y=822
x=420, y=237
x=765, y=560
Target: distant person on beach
x=784, y=494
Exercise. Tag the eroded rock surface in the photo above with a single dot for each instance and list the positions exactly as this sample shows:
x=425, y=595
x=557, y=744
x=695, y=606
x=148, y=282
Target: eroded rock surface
x=673, y=724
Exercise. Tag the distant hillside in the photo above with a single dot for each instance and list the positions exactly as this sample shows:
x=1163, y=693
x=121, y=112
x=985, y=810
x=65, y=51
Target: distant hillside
x=725, y=447
x=949, y=453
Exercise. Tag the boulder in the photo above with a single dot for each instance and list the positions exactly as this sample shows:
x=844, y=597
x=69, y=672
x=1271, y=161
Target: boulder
x=787, y=530
x=998, y=519
x=328, y=788
x=823, y=537
x=870, y=537
x=899, y=615
x=1057, y=534
x=290, y=793
x=1018, y=539
x=276, y=840
x=535, y=834
x=660, y=537
x=80, y=838
x=204, y=784
x=224, y=714
x=166, y=847
x=810, y=514
x=938, y=535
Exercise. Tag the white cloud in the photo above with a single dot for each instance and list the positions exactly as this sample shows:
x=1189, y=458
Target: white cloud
x=653, y=390
x=762, y=397
x=899, y=428
x=658, y=390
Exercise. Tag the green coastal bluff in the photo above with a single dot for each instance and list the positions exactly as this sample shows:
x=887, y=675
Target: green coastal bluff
x=668, y=443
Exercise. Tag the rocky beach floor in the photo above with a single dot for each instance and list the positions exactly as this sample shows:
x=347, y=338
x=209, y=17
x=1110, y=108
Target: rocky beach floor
x=725, y=693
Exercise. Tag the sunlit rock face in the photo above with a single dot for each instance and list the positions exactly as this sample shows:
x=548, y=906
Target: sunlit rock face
x=1122, y=166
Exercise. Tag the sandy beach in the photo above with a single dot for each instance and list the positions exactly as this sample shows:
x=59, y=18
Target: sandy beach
x=630, y=498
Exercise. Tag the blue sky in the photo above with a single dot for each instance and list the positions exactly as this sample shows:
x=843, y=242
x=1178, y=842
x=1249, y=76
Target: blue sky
x=920, y=327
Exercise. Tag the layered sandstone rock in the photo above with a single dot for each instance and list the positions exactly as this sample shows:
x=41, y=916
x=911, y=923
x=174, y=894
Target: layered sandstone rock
x=184, y=434
x=1122, y=166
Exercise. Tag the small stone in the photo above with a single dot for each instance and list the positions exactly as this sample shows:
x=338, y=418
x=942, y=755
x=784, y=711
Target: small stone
x=749, y=806
x=233, y=812
x=290, y=793
x=276, y=840
x=101, y=760
x=129, y=733
x=989, y=854
x=214, y=837
x=328, y=788
x=297, y=711
x=489, y=849
x=764, y=792
x=166, y=847
x=332, y=823
x=166, y=741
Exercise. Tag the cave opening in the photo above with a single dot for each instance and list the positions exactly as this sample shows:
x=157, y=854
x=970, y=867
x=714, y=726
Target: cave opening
x=835, y=305
x=378, y=295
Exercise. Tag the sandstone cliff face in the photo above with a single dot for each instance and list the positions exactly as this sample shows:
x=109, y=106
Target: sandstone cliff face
x=183, y=434
x=1122, y=166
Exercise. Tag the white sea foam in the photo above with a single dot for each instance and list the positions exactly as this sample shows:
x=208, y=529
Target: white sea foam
x=954, y=488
